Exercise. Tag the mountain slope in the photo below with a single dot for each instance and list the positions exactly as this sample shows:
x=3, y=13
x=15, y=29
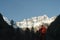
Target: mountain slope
x=6, y=19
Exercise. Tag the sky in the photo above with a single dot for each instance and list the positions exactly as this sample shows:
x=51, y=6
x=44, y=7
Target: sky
x=23, y=9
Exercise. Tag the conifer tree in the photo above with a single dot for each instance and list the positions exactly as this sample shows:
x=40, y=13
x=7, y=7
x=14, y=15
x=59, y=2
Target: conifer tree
x=12, y=22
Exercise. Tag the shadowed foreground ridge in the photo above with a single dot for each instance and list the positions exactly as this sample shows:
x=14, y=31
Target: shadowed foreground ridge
x=7, y=32
x=53, y=31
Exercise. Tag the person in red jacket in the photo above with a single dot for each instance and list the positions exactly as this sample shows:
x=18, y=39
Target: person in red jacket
x=42, y=32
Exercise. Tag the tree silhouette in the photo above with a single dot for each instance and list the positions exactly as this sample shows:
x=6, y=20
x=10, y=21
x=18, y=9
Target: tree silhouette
x=12, y=22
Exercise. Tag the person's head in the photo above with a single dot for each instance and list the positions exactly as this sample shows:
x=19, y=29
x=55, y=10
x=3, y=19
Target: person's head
x=42, y=25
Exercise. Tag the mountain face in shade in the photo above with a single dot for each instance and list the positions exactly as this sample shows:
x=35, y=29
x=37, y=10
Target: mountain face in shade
x=7, y=32
x=53, y=31
x=3, y=23
x=6, y=19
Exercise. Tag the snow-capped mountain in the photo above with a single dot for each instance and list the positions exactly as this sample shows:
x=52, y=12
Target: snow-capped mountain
x=6, y=19
x=35, y=21
x=32, y=22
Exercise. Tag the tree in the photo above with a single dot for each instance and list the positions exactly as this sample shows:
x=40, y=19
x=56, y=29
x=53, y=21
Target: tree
x=12, y=22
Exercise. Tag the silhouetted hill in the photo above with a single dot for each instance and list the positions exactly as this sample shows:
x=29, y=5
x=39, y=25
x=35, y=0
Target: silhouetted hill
x=7, y=32
x=53, y=31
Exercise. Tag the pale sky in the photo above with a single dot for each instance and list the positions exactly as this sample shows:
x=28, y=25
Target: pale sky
x=21, y=9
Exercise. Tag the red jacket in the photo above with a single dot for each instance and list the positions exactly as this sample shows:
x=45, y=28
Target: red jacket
x=42, y=30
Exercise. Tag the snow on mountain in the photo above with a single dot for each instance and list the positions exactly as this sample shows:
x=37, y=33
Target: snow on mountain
x=6, y=19
x=35, y=21
x=32, y=22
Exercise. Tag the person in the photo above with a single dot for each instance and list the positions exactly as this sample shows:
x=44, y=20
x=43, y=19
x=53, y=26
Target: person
x=42, y=32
